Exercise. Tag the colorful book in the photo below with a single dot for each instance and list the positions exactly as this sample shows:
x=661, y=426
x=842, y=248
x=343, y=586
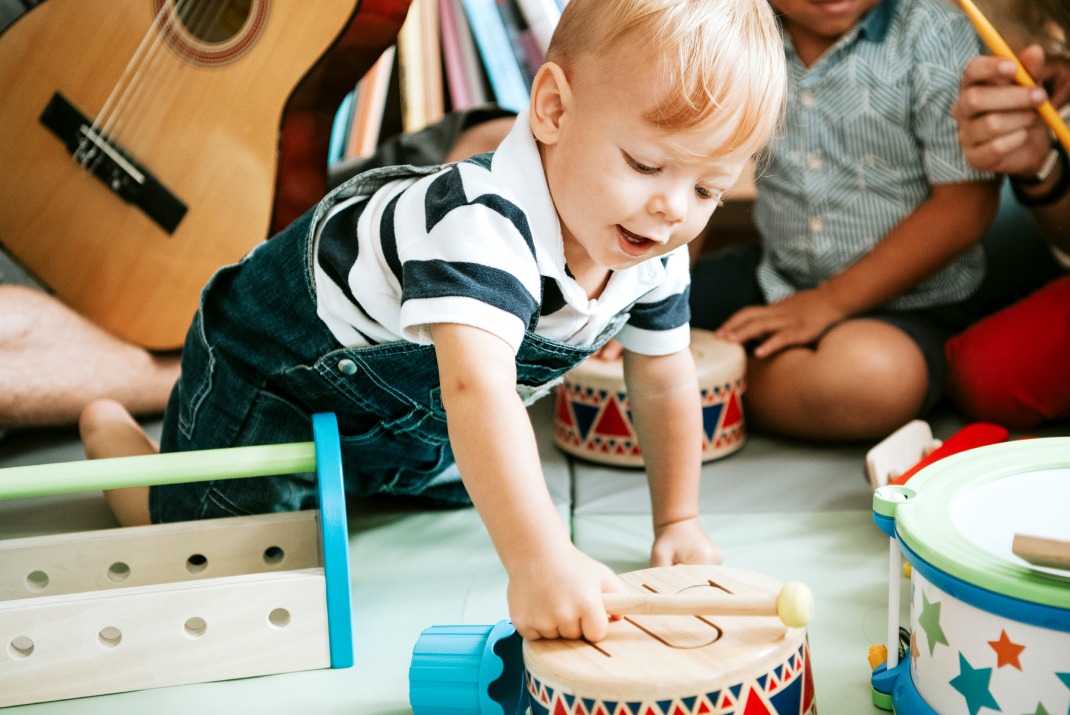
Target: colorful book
x=411, y=68
x=341, y=128
x=369, y=106
x=542, y=17
x=464, y=71
x=499, y=60
x=527, y=53
x=434, y=88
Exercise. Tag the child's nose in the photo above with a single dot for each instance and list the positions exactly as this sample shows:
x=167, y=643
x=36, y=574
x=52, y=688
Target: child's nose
x=670, y=205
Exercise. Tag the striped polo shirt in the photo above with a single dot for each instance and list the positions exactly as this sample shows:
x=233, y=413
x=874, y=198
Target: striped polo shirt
x=479, y=243
x=868, y=132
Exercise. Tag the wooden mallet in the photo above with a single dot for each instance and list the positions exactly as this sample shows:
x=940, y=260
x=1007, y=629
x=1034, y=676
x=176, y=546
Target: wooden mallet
x=793, y=604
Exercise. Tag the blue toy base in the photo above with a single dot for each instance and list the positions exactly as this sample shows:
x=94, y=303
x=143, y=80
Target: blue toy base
x=899, y=684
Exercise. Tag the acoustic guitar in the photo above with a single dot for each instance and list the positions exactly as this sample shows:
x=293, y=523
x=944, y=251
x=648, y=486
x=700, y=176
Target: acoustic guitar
x=146, y=143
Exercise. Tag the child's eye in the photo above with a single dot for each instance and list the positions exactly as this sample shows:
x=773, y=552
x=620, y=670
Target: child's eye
x=704, y=192
x=638, y=166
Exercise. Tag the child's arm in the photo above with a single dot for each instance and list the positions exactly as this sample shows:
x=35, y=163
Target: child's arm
x=948, y=222
x=554, y=589
x=664, y=395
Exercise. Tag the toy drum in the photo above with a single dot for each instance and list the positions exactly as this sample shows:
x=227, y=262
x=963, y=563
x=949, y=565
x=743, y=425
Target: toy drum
x=987, y=629
x=592, y=418
x=678, y=665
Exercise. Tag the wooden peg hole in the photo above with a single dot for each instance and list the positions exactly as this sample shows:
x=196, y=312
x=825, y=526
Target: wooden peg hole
x=273, y=555
x=118, y=572
x=279, y=618
x=195, y=627
x=20, y=647
x=37, y=581
x=196, y=563
x=110, y=636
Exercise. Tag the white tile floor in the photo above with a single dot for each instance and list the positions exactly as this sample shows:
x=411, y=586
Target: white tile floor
x=790, y=511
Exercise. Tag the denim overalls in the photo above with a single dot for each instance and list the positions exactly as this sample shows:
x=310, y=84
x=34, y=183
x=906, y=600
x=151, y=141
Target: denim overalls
x=258, y=362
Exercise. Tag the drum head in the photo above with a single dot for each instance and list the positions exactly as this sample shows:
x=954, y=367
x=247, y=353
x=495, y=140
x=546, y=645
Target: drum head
x=649, y=658
x=961, y=514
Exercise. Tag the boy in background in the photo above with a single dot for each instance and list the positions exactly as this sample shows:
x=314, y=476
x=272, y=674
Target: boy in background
x=425, y=306
x=869, y=219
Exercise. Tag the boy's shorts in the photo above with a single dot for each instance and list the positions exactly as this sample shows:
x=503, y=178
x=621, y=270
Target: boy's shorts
x=727, y=281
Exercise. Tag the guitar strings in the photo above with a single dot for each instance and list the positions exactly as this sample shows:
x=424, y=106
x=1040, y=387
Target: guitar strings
x=115, y=99
x=158, y=82
x=124, y=109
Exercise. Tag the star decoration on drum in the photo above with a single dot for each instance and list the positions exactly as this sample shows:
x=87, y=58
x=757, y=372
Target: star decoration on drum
x=930, y=623
x=1007, y=651
x=973, y=684
x=1041, y=710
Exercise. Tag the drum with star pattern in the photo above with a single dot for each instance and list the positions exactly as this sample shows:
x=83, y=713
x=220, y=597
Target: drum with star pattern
x=989, y=631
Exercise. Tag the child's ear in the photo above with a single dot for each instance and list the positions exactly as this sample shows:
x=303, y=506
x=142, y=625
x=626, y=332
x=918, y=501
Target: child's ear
x=551, y=97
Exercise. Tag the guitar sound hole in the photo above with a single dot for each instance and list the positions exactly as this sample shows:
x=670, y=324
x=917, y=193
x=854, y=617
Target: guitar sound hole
x=213, y=21
x=210, y=32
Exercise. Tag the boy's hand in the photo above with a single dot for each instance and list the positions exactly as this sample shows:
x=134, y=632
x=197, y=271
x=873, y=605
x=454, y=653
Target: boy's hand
x=799, y=319
x=561, y=597
x=684, y=542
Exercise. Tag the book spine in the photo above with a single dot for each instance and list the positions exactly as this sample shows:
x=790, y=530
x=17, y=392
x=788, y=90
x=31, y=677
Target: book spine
x=542, y=17
x=499, y=59
x=453, y=58
x=371, y=102
x=411, y=68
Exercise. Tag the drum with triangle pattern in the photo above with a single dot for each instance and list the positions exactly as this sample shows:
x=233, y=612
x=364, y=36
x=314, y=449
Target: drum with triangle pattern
x=592, y=415
x=678, y=665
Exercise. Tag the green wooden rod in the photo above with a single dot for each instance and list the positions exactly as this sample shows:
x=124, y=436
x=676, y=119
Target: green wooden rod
x=154, y=469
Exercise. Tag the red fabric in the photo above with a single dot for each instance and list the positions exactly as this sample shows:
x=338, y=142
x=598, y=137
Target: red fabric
x=1013, y=368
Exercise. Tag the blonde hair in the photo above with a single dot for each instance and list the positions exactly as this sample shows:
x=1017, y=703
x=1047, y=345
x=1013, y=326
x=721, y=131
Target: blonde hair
x=718, y=59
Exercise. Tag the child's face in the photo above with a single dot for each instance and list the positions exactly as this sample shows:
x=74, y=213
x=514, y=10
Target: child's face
x=625, y=190
x=828, y=19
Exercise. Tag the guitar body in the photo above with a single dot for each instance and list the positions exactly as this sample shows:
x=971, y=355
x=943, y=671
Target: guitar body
x=228, y=117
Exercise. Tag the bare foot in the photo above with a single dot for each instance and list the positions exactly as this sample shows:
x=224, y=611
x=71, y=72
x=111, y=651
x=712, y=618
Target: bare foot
x=108, y=430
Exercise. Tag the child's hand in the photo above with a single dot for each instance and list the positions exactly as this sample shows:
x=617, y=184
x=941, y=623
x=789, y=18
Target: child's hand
x=799, y=319
x=562, y=597
x=684, y=542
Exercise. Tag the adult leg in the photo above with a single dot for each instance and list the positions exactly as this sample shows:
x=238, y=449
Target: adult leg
x=53, y=362
x=108, y=430
x=863, y=379
x=1012, y=368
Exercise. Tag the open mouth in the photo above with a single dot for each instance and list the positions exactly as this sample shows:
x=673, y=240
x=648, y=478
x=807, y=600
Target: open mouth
x=632, y=243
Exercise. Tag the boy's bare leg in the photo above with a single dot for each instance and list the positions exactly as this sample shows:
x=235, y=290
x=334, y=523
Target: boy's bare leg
x=53, y=362
x=864, y=380
x=108, y=430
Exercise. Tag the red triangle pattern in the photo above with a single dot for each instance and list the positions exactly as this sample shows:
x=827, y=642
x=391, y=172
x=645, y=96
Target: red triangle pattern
x=808, y=684
x=752, y=700
x=756, y=704
x=612, y=422
x=563, y=413
x=733, y=413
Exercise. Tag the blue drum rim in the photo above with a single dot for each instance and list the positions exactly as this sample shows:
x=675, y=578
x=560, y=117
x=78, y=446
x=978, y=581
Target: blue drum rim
x=958, y=562
x=1035, y=614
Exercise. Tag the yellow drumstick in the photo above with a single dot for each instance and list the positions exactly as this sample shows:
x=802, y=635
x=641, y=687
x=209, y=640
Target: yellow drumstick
x=794, y=604
x=1000, y=48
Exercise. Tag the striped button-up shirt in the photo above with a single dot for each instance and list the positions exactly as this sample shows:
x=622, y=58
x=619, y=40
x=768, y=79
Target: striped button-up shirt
x=868, y=132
